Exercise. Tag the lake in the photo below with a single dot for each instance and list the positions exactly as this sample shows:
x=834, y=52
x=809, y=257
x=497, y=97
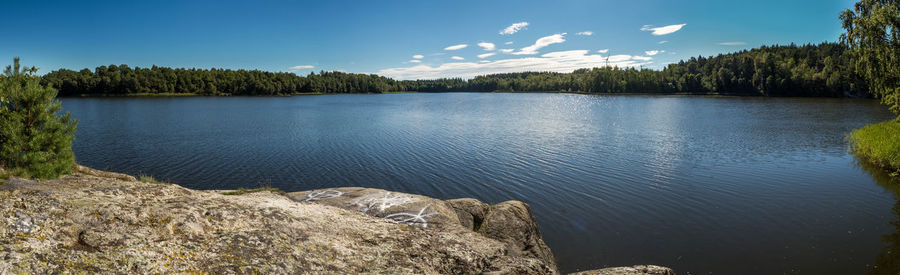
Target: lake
x=700, y=184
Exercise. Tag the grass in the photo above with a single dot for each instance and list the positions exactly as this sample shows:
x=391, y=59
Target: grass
x=147, y=179
x=879, y=144
x=14, y=172
x=242, y=191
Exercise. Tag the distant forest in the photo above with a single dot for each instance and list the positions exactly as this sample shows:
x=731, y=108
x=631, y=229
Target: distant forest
x=822, y=70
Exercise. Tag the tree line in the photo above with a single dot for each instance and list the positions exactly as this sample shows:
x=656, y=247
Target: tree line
x=823, y=70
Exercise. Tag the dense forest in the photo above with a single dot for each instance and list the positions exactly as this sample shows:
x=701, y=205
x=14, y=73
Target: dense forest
x=810, y=70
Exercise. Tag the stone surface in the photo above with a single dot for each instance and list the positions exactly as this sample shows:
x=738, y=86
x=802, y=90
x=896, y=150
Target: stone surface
x=510, y=222
x=102, y=222
x=629, y=270
x=470, y=212
x=85, y=223
x=401, y=208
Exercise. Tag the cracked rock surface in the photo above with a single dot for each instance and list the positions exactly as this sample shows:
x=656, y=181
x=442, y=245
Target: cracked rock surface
x=101, y=222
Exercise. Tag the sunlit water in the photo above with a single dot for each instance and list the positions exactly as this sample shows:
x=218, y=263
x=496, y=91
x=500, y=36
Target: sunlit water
x=701, y=184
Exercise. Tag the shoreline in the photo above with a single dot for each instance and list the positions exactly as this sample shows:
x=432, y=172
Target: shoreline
x=152, y=95
x=99, y=221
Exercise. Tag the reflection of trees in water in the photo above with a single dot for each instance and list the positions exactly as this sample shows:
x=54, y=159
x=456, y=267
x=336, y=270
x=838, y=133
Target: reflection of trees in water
x=888, y=261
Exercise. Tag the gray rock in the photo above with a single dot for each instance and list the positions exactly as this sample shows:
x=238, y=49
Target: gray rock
x=629, y=270
x=512, y=223
x=397, y=207
x=470, y=212
x=94, y=224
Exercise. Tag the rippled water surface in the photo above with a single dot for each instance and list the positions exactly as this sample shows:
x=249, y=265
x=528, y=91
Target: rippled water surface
x=701, y=184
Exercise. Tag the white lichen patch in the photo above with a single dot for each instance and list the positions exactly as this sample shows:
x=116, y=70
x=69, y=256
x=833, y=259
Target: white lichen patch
x=382, y=201
x=420, y=218
x=322, y=195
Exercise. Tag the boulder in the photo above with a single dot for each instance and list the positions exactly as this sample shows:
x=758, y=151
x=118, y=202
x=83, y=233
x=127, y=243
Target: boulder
x=470, y=212
x=510, y=222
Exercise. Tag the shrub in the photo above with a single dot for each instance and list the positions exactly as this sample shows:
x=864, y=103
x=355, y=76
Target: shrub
x=33, y=137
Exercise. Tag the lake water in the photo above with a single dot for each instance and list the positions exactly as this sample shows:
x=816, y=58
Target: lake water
x=702, y=184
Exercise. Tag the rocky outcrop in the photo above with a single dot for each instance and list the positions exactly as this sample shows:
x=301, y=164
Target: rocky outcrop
x=92, y=224
x=629, y=270
x=102, y=222
x=511, y=222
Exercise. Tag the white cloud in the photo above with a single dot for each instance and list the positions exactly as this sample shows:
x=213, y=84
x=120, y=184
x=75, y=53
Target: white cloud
x=506, y=50
x=588, y=33
x=663, y=42
x=418, y=56
x=642, y=58
x=487, y=46
x=735, y=43
x=415, y=61
x=663, y=30
x=542, y=42
x=603, y=51
x=564, y=61
x=653, y=52
x=484, y=55
x=484, y=61
x=508, y=43
x=456, y=58
x=301, y=67
x=456, y=47
x=515, y=27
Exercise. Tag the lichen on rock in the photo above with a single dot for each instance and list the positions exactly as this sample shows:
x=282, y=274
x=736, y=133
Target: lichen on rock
x=89, y=223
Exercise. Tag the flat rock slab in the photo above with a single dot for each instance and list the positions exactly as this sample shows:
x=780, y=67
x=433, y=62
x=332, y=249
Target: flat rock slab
x=92, y=224
x=397, y=207
x=629, y=270
x=510, y=222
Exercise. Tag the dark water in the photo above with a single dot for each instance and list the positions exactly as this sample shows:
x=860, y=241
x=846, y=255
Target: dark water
x=700, y=184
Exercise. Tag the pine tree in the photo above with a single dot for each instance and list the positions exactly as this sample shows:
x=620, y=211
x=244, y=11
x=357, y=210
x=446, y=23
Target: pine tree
x=33, y=138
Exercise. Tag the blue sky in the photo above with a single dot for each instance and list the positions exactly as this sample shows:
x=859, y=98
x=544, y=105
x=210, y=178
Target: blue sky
x=383, y=37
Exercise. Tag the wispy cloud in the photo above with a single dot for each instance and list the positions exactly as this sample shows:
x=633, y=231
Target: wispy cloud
x=302, y=67
x=542, y=42
x=603, y=51
x=515, y=27
x=588, y=33
x=507, y=50
x=642, y=58
x=418, y=56
x=653, y=52
x=662, y=30
x=663, y=42
x=484, y=61
x=508, y=43
x=484, y=55
x=456, y=47
x=734, y=43
x=415, y=61
x=487, y=46
x=456, y=58
x=563, y=61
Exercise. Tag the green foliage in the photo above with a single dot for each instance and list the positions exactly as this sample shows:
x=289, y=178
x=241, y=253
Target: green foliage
x=879, y=144
x=873, y=37
x=32, y=136
x=811, y=70
x=242, y=191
